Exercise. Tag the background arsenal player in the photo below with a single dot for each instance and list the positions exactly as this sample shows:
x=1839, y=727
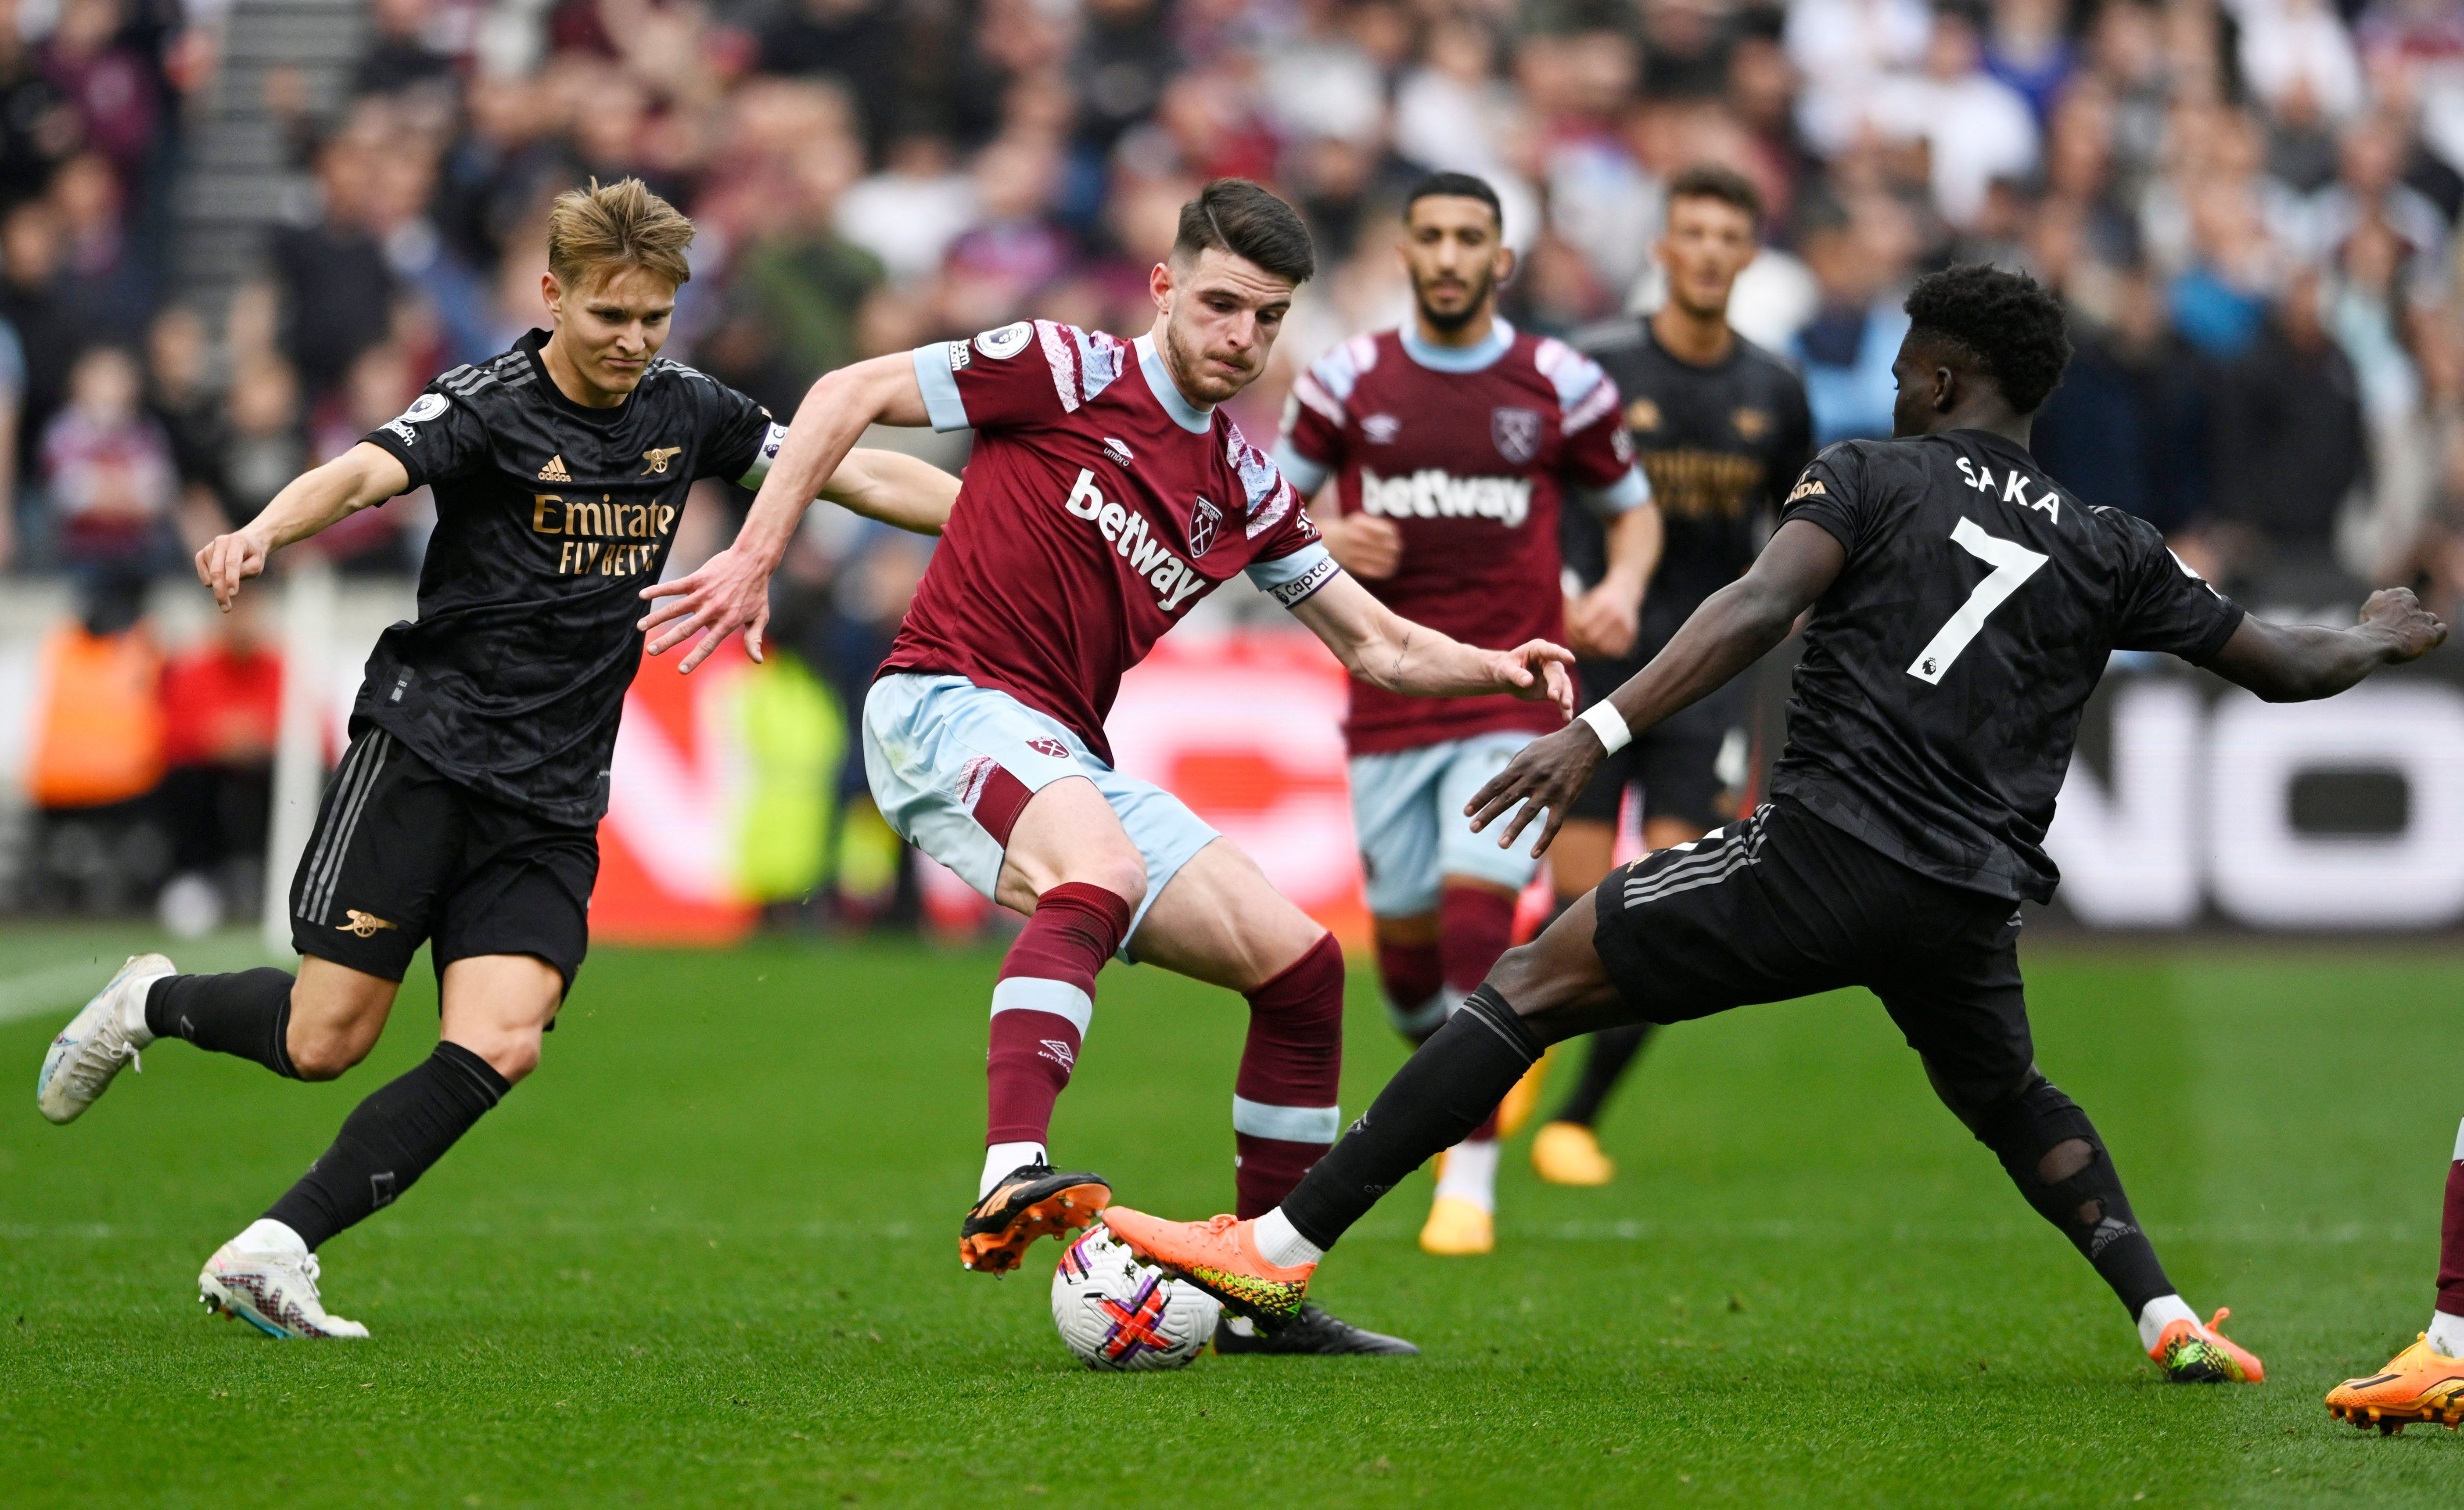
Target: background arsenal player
x=1105, y=495
x=1450, y=442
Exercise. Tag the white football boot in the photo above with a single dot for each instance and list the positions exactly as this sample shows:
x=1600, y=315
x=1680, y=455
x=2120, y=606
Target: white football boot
x=272, y=1287
x=98, y=1040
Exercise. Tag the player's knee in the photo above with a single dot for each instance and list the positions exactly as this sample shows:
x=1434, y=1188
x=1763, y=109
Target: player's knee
x=324, y=1054
x=1119, y=869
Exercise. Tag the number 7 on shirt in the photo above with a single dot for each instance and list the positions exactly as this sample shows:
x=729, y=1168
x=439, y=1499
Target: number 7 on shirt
x=2012, y=565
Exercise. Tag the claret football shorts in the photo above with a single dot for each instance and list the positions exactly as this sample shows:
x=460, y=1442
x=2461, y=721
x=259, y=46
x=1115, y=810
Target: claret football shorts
x=952, y=765
x=402, y=856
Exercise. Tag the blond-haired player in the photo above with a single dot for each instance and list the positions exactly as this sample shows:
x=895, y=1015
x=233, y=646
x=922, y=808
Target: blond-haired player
x=465, y=813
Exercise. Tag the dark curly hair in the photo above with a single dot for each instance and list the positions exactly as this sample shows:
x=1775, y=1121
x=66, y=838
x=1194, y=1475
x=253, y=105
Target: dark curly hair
x=2006, y=320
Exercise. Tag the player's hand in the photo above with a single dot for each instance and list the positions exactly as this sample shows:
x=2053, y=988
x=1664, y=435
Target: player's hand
x=2414, y=631
x=1369, y=548
x=1547, y=774
x=1603, y=622
x=729, y=591
x=1535, y=671
x=228, y=560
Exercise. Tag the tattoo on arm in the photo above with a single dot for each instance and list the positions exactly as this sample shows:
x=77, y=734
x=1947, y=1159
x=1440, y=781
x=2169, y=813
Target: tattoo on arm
x=1400, y=651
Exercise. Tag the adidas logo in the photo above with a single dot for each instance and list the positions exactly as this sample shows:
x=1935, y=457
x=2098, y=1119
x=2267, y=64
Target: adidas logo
x=553, y=471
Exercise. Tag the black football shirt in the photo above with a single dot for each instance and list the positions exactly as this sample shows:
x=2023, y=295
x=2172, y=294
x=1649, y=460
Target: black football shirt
x=1720, y=444
x=550, y=518
x=1938, y=695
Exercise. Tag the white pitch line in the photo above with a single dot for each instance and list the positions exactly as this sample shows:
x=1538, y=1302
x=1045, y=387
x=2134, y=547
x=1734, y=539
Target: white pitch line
x=59, y=988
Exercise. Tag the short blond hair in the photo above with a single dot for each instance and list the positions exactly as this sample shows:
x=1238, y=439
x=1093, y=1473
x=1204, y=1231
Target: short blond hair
x=600, y=230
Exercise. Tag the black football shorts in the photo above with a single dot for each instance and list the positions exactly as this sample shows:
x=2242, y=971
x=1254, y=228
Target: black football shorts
x=1781, y=904
x=402, y=855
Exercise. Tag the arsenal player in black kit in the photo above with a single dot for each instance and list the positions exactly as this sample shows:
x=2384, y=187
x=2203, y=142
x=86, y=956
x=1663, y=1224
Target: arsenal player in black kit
x=465, y=813
x=1964, y=607
x=1720, y=427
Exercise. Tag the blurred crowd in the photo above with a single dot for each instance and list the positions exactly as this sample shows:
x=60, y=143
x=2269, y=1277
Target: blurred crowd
x=2247, y=205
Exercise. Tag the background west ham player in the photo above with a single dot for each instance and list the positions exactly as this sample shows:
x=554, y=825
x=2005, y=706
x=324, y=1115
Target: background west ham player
x=1106, y=492
x=465, y=814
x=1720, y=427
x=1450, y=442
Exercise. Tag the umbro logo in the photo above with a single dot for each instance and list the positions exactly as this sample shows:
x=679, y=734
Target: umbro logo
x=1118, y=453
x=1380, y=430
x=553, y=471
x=658, y=457
x=366, y=924
x=1058, y=1052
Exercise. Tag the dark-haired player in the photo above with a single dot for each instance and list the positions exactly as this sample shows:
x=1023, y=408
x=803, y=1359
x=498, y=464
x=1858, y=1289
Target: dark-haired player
x=1451, y=442
x=1720, y=427
x=1964, y=607
x=1107, y=493
x=465, y=814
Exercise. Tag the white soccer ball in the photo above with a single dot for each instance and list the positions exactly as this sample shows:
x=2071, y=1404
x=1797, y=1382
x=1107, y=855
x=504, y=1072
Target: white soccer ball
x=1119, y=1315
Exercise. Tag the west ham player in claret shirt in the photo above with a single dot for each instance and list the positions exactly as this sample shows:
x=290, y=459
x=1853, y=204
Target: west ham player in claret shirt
x=1720, y=427
x=1452, y=444
x=1107, y=493
x=1964, y=607
x=466, y=811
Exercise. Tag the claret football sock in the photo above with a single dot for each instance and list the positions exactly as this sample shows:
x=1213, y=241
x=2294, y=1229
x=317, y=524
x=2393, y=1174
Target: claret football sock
x=1002, y=1160
x=2447, y=1320
x=389, y=1141
x=1415, y=983
x=1475, y=926
x=247, y=1014
x=1284, y=1115
x=1042, y=1004
x=1444, y=1091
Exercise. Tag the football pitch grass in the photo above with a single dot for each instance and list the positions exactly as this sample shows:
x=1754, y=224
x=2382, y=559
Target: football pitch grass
x=706, y=1258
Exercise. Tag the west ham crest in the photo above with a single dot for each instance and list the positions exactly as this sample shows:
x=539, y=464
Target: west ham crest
x=1517, y=433
x=1202, y=522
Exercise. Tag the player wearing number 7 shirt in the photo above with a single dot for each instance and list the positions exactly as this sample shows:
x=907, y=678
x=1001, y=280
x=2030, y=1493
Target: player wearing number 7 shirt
x=1107, y=493
x=1964, y=607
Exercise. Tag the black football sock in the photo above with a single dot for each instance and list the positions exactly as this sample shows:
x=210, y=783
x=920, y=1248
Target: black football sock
x=247, y=1014
x=389, y=1141
x=1611, y=1049
x=2051, y=1151
x=1442, y=1092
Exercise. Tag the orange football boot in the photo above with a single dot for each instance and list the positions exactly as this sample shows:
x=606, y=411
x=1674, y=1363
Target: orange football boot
x=2193, y=1354
x=2419, y=1383
x=1031, y=1202
x=1219, y=1257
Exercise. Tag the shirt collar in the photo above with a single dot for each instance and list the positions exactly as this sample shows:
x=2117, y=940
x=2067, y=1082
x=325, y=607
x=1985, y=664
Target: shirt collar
x=1187, y=415
x=1460, y=359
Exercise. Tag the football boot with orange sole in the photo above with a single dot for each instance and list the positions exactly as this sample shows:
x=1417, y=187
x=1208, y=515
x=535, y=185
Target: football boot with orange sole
x=2419, y=1383
x=1569, y=1153
x=1029, y=1203
x=1457, y=1229
x=1221, y=1256
x=2189, y=1353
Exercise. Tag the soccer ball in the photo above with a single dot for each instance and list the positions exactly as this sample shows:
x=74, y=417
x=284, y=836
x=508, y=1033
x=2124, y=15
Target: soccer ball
x=1119, y=1315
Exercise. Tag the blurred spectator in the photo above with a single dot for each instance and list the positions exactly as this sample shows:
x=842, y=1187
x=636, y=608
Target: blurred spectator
x=114, y=91
x=37, y=125
x=107, y=472
x=400, y=58
x=2289, y=448
x=50, y=327
x=390, y=538
x=111, y=290
x=856, y=43
x=797, y=299
x=906, y=215
x=1976, y=127
x=222, y=709
x=2295, y=48
x=179, y=357
x=1847, y=348
x=262, y=448
x=336, y=285
x=1842, y=50
x=2029, y=50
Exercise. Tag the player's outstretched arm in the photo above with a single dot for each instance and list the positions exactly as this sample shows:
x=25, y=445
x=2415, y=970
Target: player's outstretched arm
x=1393, y=652
x=365, y=475
x=730, y=591
x=2298, y=662
x=894, y=488
x=1735, y=627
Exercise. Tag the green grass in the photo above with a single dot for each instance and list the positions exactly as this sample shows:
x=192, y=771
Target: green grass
x=706, y=1258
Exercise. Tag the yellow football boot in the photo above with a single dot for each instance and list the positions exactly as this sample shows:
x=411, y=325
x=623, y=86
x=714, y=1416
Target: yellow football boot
x=1457, y=1229
x=1569, y=1153
x=1516, y=1108
x=2417, y=1384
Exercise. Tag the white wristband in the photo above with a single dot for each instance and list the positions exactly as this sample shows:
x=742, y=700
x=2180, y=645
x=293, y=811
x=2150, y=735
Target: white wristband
x=1609, y=725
